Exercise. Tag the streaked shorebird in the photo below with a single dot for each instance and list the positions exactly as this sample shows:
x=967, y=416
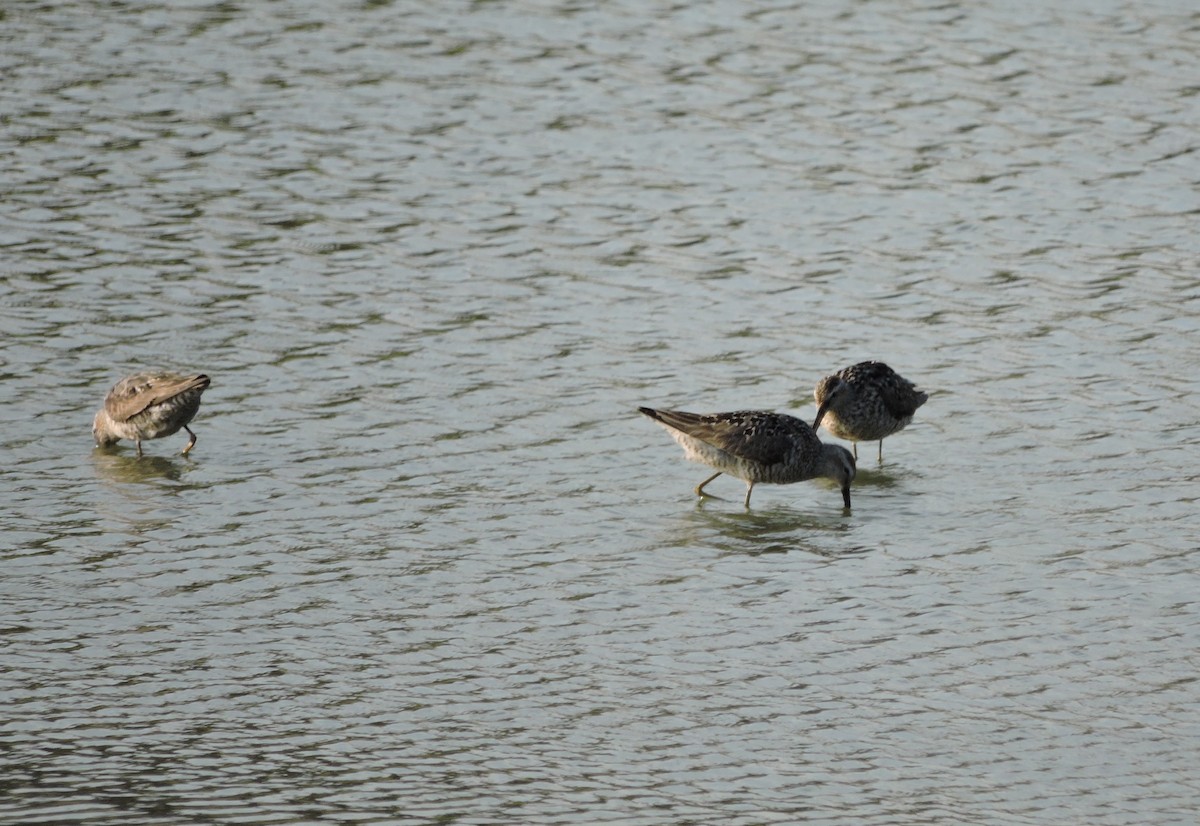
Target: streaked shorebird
x=149, y=405
x=865, y=402
x=757, y=446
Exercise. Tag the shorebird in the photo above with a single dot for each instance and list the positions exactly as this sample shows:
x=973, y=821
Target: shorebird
x=149, y=405
x=865, y=402
x=757, y=446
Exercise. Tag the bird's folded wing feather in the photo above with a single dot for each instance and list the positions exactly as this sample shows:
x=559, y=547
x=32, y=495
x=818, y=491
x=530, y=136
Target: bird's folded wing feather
x=134, y=395
x=901, y=397
x=747, y=436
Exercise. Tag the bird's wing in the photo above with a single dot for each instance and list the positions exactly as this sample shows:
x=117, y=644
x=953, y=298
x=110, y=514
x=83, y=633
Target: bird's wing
x=134, y=394
x=902, y=400
x=757, y=436
x=899, y=395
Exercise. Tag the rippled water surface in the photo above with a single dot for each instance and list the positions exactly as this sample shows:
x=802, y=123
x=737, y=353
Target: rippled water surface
x=426, y=564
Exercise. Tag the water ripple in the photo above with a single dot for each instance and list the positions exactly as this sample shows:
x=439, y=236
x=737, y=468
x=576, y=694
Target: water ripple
x=426, y=563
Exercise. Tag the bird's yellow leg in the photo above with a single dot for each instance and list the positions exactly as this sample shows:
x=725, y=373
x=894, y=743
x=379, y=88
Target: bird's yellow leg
x=700, y=487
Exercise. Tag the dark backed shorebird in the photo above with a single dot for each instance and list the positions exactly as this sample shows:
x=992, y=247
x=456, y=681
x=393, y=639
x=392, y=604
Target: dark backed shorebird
x=149, y=405
x=757, y=446
x=865, y=402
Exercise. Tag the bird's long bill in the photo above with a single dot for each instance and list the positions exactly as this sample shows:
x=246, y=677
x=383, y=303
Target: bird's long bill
x=820, y=415
x=846, y=496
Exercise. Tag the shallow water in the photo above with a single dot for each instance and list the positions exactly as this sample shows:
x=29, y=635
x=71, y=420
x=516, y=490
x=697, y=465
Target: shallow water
x=426, y=564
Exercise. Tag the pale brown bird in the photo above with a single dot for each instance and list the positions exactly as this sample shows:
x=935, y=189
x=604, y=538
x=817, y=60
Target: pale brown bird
x=149, y=405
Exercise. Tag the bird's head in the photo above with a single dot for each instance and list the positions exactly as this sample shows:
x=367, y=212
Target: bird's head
x=844, y=469
x=828, y=390
x=100, y=432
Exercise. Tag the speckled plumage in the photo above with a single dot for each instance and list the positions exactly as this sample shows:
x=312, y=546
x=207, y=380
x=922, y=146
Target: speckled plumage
x=149, y=405
x=866, y=402
x=757, y=446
